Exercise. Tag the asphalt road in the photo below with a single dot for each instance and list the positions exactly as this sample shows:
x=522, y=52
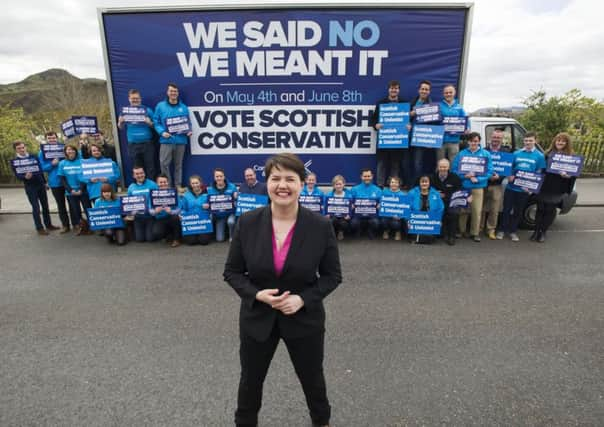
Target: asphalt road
x=495, y=333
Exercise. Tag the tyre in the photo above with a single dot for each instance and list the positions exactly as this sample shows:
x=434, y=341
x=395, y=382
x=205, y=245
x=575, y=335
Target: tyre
x=529, y=214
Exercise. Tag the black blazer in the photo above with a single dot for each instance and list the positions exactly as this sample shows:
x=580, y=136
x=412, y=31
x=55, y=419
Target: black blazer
x=311, y=270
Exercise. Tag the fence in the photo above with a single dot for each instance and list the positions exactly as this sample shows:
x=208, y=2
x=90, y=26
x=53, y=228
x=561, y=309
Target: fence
x=593, y=152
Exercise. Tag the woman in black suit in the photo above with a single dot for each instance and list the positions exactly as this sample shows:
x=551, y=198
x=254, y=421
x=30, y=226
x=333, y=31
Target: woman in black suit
x=282, y=262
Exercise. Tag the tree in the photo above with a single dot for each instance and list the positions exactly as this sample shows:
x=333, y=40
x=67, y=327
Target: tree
x=14, y=126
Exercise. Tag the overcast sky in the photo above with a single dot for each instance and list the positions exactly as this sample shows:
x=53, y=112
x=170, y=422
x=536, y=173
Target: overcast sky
x=517, y=45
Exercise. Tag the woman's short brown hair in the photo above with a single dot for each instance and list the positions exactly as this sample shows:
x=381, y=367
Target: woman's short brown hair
x=285, y=161
x=70, y=146
x=106, y=188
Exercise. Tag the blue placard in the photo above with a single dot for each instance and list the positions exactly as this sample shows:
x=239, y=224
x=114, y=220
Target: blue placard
x=53, y=151
x=455, y=125
x=249, y=202
x=68, y=128
x=132, y=205
x=294, y=78
x=394, y=134
x=530, y=181
x=196, y=223
x=421, y=222
x=164, y=198
x=428, y=113
x=103, y=218
x=502, y=162
x=132, y=114
x=85, y=124
x=338, y=206
x=395, y=205
x=314, y=203
x=27, y=165
x=428, y=136
x=459, y=199
x=92, y=168
x=565, y=163
x=472, y=164
x=365, y=207
x=179, y=125
x=221, y=203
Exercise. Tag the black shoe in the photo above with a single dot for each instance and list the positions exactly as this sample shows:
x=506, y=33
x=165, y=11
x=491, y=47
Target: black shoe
x=451, y=241
x=534, y=235
x=541, y=237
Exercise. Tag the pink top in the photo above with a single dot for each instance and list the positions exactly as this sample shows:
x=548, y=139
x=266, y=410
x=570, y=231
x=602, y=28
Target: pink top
x=279, y=255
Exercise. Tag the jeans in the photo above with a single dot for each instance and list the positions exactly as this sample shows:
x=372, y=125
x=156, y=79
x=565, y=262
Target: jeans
x=36, y=194
x=75, y=212
x=388, y=164
x=143, y=229
x=513, y=205
x=372, y=224
x=392, y=224
x=143, y=154
x=220, y=223
x=167, y=153
x=167, y=227
x=340, y=224
x=117, y=235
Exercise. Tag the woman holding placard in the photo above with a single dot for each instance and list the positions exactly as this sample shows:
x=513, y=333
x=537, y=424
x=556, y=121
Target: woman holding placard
x=283, y=262
x=194, y=200
x=69, y=172
x=93, y=185
x=392, y=223
x=340, y=223
x=109, y=199
x=221, y=186
x=554, y=188
x=426, y=199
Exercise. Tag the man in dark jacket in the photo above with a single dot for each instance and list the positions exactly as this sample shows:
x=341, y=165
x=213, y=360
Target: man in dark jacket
x=251, y=185
x=389, y=160
x=447, y=183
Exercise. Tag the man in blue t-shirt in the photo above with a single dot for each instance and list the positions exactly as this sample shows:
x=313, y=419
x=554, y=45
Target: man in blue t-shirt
x=141, y=149
x=515, y=198
x=365, y=190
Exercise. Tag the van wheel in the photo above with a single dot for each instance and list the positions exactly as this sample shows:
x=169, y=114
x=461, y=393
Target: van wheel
x=529, y=214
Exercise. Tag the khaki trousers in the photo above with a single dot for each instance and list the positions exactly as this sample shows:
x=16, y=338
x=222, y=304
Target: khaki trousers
x=474, y=211
x=493, y=202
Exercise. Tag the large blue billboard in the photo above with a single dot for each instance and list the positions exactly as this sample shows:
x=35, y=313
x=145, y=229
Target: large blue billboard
x=262, y=81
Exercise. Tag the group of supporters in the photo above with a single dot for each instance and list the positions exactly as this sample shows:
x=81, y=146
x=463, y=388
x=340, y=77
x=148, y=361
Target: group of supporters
x=399, y=171
x=433, y=193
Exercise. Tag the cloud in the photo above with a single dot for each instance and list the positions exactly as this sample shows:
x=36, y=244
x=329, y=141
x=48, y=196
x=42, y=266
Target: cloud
x=516, y=45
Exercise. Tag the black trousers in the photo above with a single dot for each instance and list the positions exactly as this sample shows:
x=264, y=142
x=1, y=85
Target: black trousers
x=59, y=195
x=306, y=354
x=546, y=213
x=449, y=224
x=167, y=227
x=36, y=194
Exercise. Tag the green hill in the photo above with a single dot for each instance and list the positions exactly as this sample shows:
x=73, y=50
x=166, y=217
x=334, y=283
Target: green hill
x=53, y=89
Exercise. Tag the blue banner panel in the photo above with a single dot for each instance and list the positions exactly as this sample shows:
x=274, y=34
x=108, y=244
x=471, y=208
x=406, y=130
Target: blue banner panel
x=502, y=162
x=424, y=222
x=53, y=151
x=530, y=181
x=428, y=136
x=85, y=124
x=314, y=203
x=132, y=205
x=196, y=223
x=565, y=163
x=338, y=206
x=68, y=128
x=398, y=206
x=472, y=164
x=92, y=168
x=163, y=198
x=365, y=207
x=428, y=113
x=455, y=125
x=103, y=218
x=132, y=114
x=265, y=81
x=21, y=167
x=249, y=202
x=459, y=199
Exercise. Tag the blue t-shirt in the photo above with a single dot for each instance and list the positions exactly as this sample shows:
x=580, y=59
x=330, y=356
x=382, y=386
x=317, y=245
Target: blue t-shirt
x=528, y=161
x=71, y=170
x=137, y=133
